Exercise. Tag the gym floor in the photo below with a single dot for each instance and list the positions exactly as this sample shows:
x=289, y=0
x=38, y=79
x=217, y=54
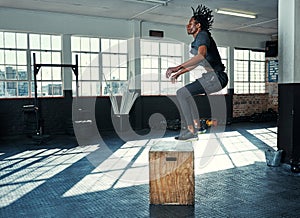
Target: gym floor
x=56, y=177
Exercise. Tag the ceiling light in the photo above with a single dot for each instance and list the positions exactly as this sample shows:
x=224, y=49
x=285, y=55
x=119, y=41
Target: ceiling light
x=237, y=13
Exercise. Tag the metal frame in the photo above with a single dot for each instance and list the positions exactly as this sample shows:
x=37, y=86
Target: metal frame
x=36, y=68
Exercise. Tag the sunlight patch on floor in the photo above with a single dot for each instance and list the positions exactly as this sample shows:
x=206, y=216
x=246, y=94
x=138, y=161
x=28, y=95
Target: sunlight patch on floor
x=129, y=165
x=268, y=136
x=25, y=171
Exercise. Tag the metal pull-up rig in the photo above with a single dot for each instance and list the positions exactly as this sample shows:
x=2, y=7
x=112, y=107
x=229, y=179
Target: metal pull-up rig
x=36, y=68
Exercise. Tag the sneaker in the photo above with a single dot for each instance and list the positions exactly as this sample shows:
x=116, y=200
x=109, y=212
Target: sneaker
x=182, y=132
x=201, y=131
x=187, y=136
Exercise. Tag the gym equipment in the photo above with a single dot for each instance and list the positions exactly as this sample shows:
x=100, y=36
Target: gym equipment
x=36, y=68
x=171, y=173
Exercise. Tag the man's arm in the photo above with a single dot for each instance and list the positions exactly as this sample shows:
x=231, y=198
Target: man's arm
x=189, y=64
x=180, y=72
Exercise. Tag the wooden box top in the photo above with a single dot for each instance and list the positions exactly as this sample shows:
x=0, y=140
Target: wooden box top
x=172, y=145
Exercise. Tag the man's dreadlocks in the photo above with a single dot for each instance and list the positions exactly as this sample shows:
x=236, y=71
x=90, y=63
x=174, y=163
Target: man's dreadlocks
x=203, y=15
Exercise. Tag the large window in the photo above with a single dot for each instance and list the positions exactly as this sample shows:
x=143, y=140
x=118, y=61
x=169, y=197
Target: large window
x=114, y=65
x=156, y=57
x=249, y=71
x=13, y=65
x=16, y=51
x=47, y=49
x=88, y=51
x=102, y=65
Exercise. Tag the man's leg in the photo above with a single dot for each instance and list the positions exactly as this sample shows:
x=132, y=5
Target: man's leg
x=187, y=104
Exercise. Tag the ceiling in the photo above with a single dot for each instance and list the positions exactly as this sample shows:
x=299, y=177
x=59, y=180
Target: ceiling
x=173, y=12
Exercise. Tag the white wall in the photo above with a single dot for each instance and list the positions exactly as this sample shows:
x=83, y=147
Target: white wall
x=47, y=22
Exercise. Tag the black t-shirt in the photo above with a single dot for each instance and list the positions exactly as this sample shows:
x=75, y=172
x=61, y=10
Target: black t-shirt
x=213, y=59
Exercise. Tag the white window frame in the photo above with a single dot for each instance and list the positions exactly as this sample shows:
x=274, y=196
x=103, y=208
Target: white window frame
x=249, y=71
x=156, y=57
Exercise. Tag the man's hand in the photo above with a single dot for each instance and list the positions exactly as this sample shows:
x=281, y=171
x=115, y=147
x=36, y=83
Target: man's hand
x=171, y=70
x=174, y=77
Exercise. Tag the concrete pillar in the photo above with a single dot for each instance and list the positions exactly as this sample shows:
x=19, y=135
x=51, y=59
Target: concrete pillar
x=134, y=66
x=289, y=79
x=67, y=59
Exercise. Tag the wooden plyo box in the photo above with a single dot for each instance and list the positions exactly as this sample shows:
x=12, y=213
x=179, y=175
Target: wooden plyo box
x=171, y=173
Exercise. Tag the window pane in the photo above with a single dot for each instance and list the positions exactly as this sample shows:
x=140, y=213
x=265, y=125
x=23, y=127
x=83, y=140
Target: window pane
x=10, y=57
x=150, y=88
x=46, y=57
x=123, y=60
x=10, y=40
x=85, y=59
x=149, y=48
x=86, y=74
x=241, y=54
x=55, y=89
x=114, y=60
x=56, y=57
x=22, y=73
x=85, y=44
x=56, y=42
x=178, y=50
x=95, y=44
x=105, y=45
x=23, y=89
x=94, y=60
x=257, y=87
x=75, y=43
x=34, y=41
x=114, y=48
x=123, y=46
x=22, y=58
x=1, y=40
x=123, y=73
x=106, y=60
x=95, y=88
x=21, y=40
x=11, y=73
x=56, y=73
x=164, y=48
x=11, y=89
x=45, y=42
x=115, y=74
x=241, y=88
x=46, y=73
x=95, y=73
x=1, y=57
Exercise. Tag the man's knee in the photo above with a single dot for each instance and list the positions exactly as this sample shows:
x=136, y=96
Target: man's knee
x=182, y=93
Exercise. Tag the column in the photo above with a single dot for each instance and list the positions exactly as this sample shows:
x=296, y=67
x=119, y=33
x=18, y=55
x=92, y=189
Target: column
x=289, y=79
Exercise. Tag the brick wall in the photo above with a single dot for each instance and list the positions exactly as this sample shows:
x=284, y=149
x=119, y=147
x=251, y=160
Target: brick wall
x=272, y=89
x=247, y=104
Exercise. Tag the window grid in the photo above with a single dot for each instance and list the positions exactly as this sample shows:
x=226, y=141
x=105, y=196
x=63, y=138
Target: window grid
x=156, y=57
x=47, y=49
x=249, y=71
x=13, y=65
x=102, y=65
x=88, y=51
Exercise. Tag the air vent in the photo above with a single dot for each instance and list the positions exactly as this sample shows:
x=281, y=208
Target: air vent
x=156, y=33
